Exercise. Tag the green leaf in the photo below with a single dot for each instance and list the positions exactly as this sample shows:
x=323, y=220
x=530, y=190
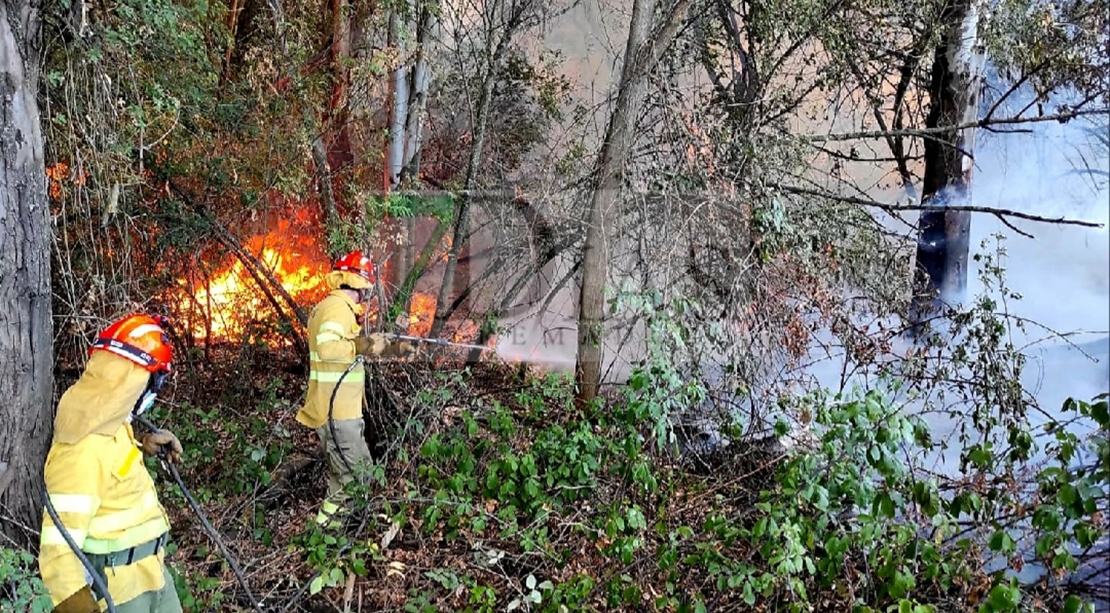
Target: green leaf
x=1004, y=597
x=1100, y=411
x=1067, y=495
x=749, y=595
x=1002, y=542
x=336, y=576
x=316, y=585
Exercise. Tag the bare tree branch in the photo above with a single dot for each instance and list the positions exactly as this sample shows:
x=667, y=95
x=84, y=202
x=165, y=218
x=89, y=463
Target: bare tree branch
x=894, y=208
x=1062, y=117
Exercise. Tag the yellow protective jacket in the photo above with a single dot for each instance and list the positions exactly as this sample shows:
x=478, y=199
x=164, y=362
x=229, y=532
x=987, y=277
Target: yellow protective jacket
x=332, y=328
x=99, y=486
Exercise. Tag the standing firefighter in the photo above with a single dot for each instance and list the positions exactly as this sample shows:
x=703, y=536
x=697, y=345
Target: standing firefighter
x=334, y=343
x=97, y=484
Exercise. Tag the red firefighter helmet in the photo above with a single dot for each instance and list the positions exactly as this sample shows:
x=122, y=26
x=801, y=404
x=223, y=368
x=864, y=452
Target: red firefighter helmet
x=139, y=338
x=355, y=262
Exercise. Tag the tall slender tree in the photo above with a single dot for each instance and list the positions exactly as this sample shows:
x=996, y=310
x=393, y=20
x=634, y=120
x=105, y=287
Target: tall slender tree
x=644, y=48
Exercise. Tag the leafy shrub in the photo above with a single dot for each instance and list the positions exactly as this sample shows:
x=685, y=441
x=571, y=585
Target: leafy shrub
x=21, y=589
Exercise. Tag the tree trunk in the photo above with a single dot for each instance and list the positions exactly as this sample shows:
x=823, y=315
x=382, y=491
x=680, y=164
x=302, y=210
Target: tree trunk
x=243, y=28
x=418, y=95
x=479, y=123
x=403, y=297
x=338, y=138
x=406, y=260
x=956, y=82
x=641, y=54
x=26, y=365
x=324, y=183
x=399, y=99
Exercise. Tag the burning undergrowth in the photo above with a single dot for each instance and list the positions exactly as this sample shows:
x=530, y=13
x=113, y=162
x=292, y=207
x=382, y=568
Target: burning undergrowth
x=258, y=284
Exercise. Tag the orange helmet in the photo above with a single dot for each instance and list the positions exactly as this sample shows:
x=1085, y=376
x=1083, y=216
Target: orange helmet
x=139, y=338
x=355, y=262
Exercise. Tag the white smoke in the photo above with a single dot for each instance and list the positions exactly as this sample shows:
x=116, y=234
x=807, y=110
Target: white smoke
x=1063, y=273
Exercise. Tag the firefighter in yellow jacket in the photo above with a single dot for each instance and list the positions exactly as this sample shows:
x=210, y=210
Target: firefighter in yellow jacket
x=334, y=343
x=97, y=482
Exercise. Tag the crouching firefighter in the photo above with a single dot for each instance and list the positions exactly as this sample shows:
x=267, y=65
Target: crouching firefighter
x=97, y=483
x=336, y=385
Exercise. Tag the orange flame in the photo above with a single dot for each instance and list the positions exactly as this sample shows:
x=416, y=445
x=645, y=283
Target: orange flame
x=422, y=310
x=56, y=177
x=231, y=301
x=226, y=305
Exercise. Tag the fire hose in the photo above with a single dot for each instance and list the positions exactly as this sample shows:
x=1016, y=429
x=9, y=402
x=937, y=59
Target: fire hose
x=331, y=428
x=359, y=360
x=172, y=470
x=435, y=341
x=99, y=586
x=331, y=407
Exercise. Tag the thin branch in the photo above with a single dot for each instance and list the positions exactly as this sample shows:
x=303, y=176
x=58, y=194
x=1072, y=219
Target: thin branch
x=1063, y=117
x=1012, y=226
x=892, y=208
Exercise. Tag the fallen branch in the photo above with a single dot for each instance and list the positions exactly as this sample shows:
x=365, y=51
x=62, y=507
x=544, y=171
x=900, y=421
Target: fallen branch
x=283, y=477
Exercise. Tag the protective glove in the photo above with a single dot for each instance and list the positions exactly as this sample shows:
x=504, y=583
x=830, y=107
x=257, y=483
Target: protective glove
x=163, y=441
x=400, y=349
x=81, y=601
x=371, y=345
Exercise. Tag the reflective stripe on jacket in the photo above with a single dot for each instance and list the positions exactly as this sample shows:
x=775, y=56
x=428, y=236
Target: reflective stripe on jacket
x=332, y=328
x=106, y=500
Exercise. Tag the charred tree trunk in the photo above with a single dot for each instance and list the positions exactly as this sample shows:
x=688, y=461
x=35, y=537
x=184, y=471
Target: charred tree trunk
x=26, y=365
x=641, y=54
x=956, y=82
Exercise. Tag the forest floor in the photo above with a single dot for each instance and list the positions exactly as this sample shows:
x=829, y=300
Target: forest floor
x=493, y=492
